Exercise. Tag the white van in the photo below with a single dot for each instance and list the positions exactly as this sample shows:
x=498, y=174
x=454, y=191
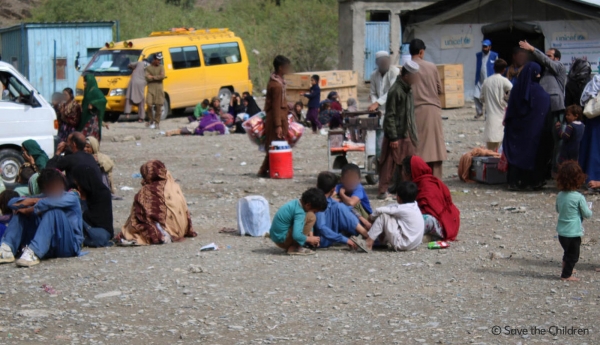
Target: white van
x=24, y=114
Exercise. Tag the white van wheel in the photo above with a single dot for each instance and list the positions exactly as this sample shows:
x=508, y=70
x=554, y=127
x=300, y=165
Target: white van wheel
x=166, y=109
x=10, y=162
x=225, y=97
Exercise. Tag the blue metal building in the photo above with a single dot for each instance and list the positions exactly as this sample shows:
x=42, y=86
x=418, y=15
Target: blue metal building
x=47, y=53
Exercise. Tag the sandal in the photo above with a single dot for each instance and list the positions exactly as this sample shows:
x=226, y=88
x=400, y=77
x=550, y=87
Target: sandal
x=302, y=252
x=360, y=243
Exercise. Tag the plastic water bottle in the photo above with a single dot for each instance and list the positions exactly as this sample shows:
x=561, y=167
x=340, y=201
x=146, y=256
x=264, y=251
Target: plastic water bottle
x=437, y=245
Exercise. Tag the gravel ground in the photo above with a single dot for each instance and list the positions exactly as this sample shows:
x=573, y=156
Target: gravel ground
x=503, y=270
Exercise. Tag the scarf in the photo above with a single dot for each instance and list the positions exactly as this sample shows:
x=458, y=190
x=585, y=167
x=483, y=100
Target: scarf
x=98, y=198
x=35, y=151
x=280, y=80
x=526, y=113
x=591, y=90
x=104, y=161
x=159, y=201
x=252, y=108
x=70, y=113
x=94, y=97
x=434, y=198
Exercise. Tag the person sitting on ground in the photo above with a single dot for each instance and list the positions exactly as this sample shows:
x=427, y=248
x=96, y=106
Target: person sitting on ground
x=71, y=154
x=572, y=208
x=293, y=223
x=329, y=117
x=298, y=113
x=442, y=218
x=209, y=123
x=235, y=105
x=7, y=214
x=337, y=224
x=47, y=227
x=226, y=118
x=34, y=155
x=401, y=224
x=96, y=203
x=334, y=98
x=199, y=111
x=106, y=164
x=25, y=174
x=251, y=108
x=352, y=193
x=159, y=213
x=571, y=135
x=352, y=105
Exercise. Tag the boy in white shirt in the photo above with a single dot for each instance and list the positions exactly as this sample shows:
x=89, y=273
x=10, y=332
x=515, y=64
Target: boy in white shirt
x=494, y=94
x=402, y=223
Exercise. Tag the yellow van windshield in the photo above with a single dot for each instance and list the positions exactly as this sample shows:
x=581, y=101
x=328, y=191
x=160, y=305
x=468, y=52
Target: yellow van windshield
x=112, y=62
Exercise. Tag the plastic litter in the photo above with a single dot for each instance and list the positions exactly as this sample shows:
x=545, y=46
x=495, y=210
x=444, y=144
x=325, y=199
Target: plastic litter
x=126, y=188
x=49, y=289
x=136, y=175
x=253, y=216
x=209, y=247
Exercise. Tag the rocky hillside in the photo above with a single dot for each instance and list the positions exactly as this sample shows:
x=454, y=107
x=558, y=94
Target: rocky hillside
x=15, y=11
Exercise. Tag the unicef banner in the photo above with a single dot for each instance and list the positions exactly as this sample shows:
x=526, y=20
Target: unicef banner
x=584, y=49
x=457, y=41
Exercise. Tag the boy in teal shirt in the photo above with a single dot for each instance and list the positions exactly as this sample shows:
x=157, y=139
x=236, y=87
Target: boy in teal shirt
x=292, y=225
x=572, y=208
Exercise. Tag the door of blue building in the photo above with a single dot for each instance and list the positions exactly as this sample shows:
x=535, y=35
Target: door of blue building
x=377, y=37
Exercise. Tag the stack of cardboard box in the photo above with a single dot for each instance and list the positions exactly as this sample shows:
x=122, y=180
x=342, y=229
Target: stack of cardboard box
x=343, y=82
x=453, y=85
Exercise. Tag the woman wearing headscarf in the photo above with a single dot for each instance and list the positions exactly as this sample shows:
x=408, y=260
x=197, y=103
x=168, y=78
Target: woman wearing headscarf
x=352, y=107
x=442, y=218
x=528, y=131
x=92, y=108
x=251, y=107
x=34, y=155
x=334, y=97
x=70, y=115
x=579, y=75
x=159, y=213
x=589, y=150
x=96, y=204
x=104, y=162
x=136, y=89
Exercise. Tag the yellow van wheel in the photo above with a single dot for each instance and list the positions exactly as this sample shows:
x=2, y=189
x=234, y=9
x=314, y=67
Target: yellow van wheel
x=166, y=108
x=225, y=96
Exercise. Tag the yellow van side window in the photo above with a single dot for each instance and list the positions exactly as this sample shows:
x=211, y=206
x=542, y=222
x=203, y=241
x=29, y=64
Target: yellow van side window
x=185, y=57
x=221, y=54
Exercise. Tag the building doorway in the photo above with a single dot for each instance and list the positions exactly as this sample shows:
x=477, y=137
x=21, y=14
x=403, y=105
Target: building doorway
x=505, y=37
x=377, y=37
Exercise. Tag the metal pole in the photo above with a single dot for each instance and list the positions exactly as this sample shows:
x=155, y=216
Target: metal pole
x=54, y=66
x=118, y=29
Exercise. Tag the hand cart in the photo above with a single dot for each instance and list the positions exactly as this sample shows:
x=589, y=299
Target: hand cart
x=359, y=134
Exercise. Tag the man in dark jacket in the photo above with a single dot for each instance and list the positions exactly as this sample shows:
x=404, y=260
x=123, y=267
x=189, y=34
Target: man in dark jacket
x=399, y=128
x=72, y=154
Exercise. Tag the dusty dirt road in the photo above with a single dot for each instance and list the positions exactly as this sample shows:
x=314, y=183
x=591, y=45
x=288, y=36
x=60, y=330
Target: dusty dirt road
x=502, y=272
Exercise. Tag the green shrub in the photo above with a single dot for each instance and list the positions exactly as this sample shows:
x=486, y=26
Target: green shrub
x=305, y=31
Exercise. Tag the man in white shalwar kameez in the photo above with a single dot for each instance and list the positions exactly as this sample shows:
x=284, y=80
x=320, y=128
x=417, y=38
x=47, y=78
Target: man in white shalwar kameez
x=382, y=79
x=494, y=94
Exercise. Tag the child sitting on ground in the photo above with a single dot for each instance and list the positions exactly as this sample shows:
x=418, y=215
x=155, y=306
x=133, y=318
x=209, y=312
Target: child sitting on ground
x=351, y=192
x=293, y=223
x=571, y=135
x=7, y=213
x=200, y=109
x=402, y=224
x=337, y=221
x=25, y=173
x=572, y=208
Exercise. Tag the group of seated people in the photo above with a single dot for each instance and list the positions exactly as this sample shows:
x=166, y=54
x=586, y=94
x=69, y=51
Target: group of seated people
x=69, y=205
x=424, y=208
x=210, y=119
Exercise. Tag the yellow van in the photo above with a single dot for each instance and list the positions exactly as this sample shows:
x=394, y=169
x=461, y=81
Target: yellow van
x=199, y=64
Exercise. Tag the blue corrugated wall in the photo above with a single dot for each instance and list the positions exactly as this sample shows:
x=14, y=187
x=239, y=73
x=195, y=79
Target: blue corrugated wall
x=11, y=50
x=69, y=41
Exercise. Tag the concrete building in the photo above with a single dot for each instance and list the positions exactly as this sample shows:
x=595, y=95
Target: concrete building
x=47, y=53
x=367, y=26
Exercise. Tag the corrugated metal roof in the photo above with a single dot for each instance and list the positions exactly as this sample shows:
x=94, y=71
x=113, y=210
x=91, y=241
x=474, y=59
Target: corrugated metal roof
x=37, y=25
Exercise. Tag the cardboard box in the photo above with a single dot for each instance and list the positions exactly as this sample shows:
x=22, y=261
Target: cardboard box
x=327, y=79
x=454, y=71
x=295, y=95
x=452, y=100
x=453, y=85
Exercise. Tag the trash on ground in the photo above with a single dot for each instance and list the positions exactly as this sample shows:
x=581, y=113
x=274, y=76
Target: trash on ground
x=209, y=247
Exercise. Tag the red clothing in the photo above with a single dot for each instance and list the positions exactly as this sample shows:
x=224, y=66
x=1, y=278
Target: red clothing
x=434, y=198
x=335, y=105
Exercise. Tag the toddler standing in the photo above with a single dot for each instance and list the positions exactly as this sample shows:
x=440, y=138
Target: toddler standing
x=314, y=101
x=571, y=135
x=571, y=207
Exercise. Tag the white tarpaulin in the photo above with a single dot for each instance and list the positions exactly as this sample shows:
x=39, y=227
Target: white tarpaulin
x=573, y=50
